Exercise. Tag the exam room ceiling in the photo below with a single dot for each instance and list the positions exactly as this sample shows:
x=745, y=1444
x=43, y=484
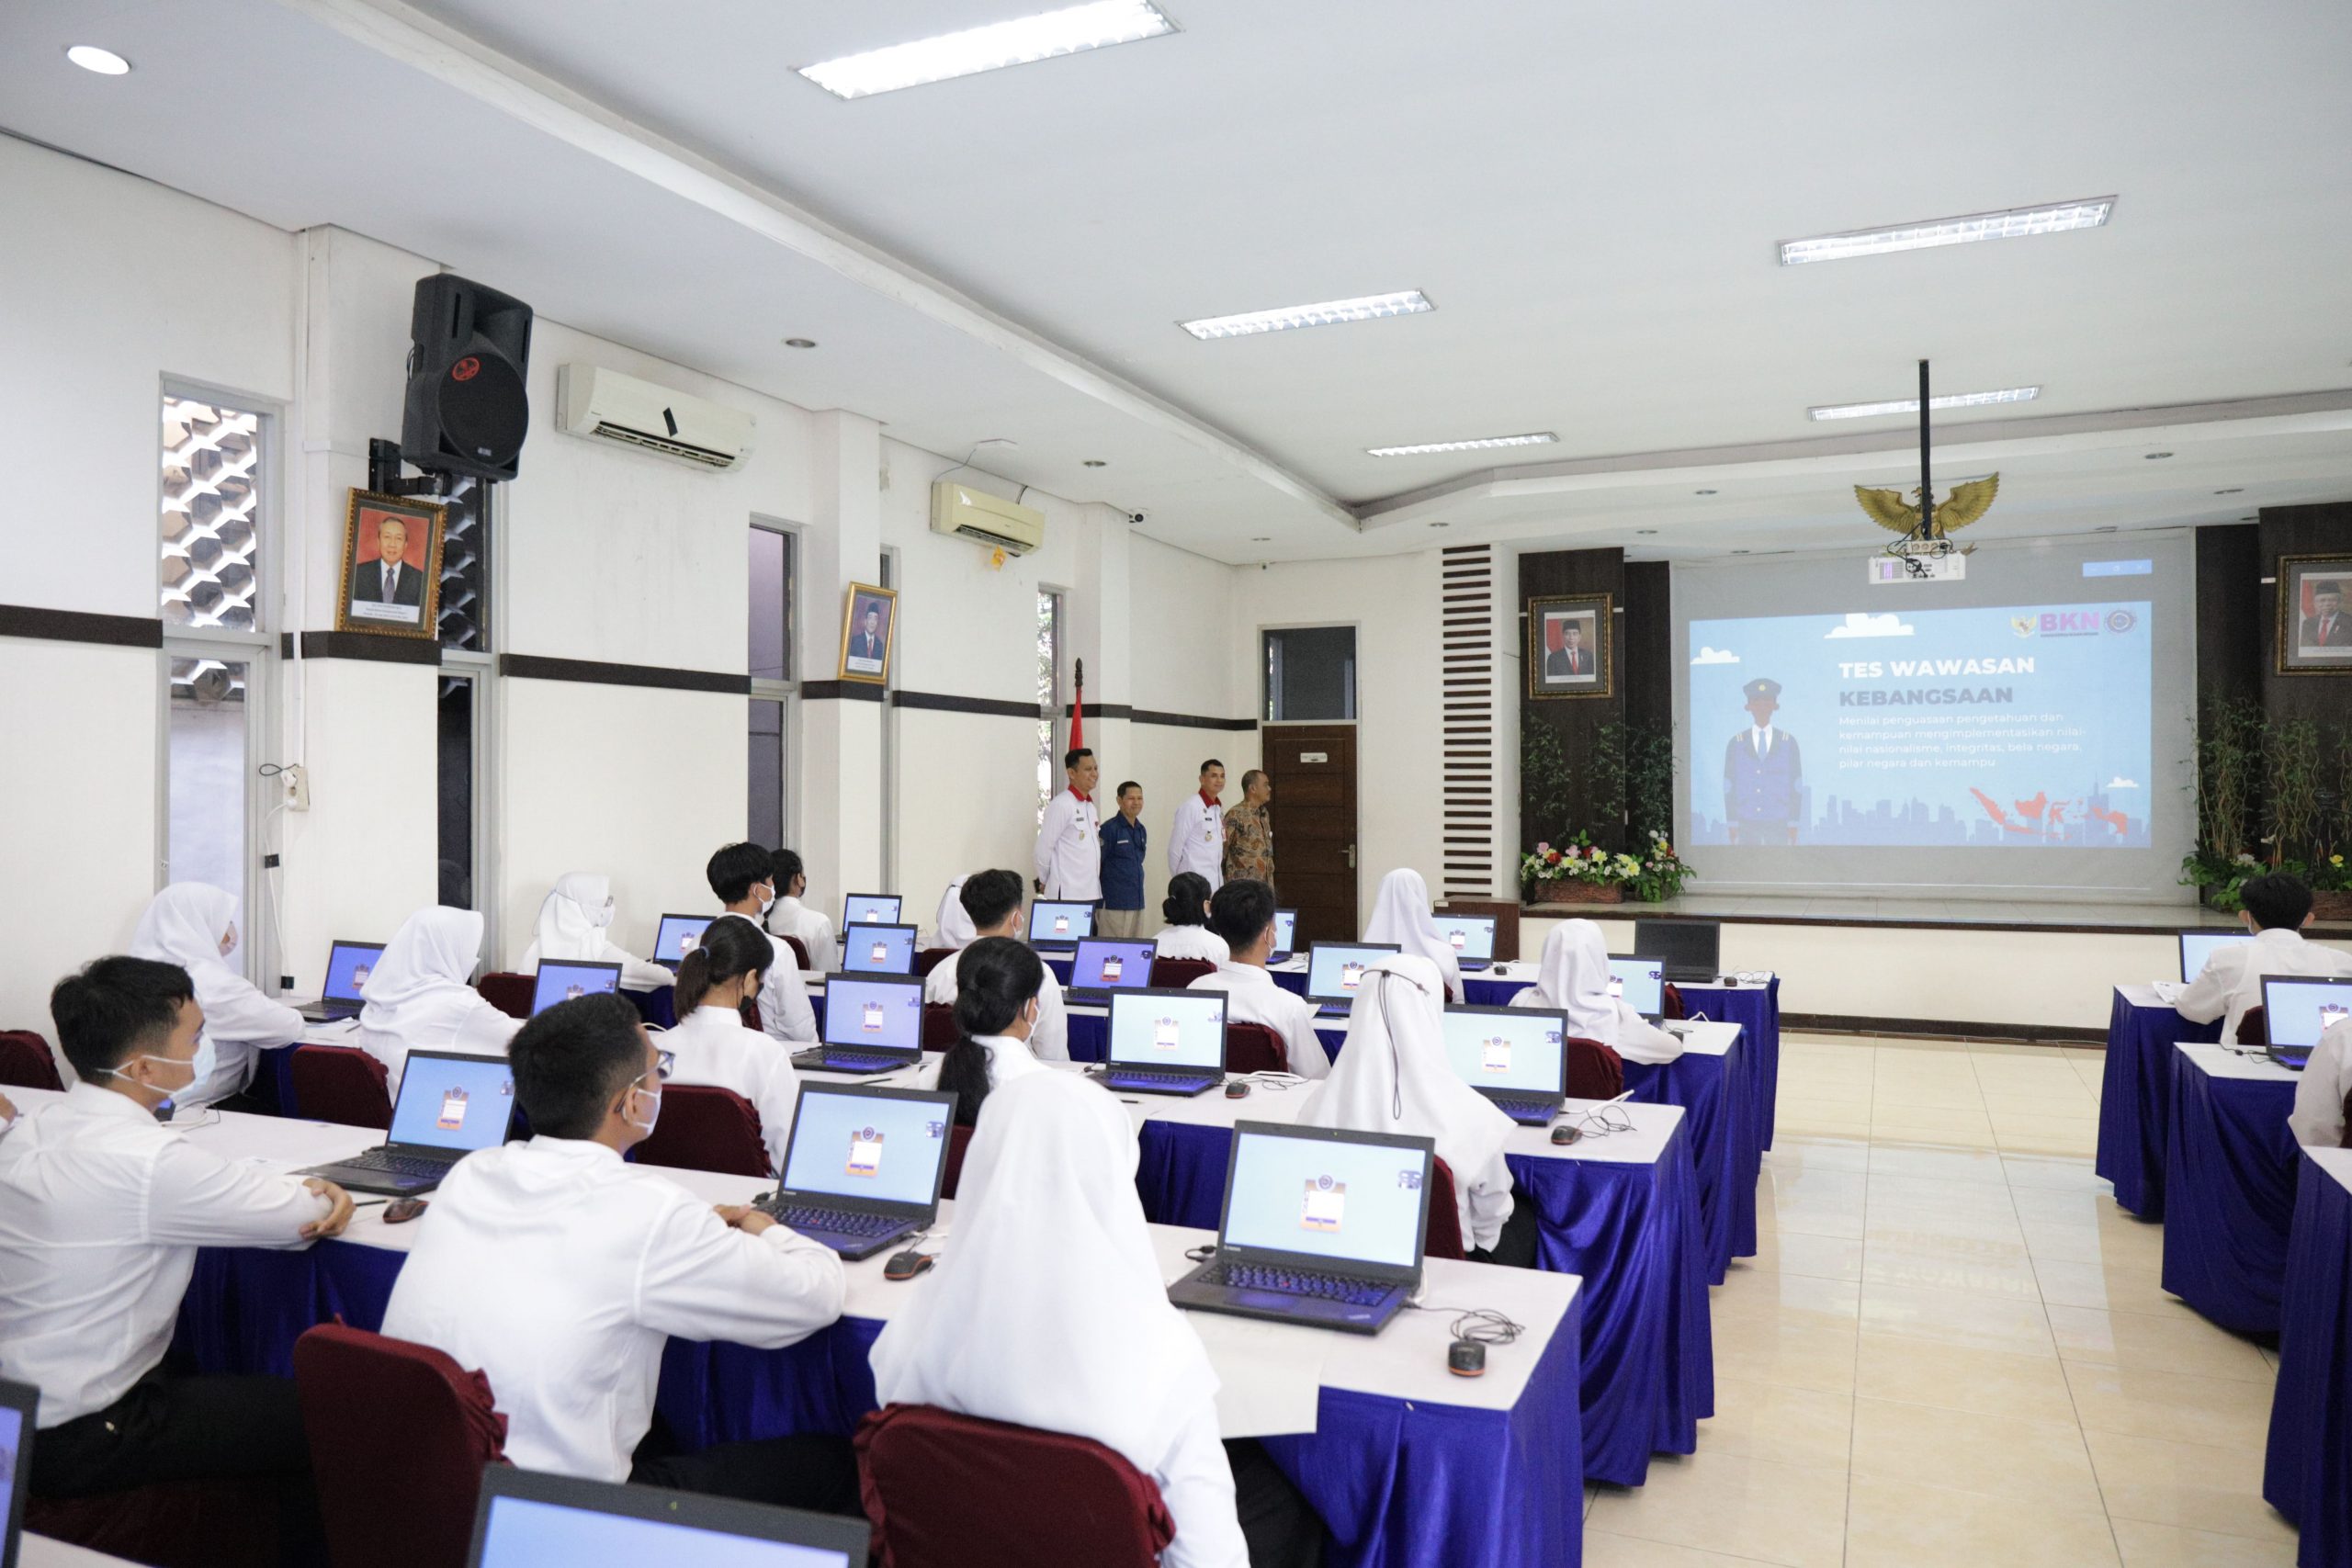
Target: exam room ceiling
x=1591, y=196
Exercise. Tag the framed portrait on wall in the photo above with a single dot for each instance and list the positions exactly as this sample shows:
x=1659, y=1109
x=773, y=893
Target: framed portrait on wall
x=2314, y=614
x=391, y=567
x=869, y=626
x=1568, y=647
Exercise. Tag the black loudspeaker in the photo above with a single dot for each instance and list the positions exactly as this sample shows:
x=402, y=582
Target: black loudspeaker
x=470, y=348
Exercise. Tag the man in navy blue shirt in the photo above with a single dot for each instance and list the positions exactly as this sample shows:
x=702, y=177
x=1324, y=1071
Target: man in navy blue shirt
x=1123, y=842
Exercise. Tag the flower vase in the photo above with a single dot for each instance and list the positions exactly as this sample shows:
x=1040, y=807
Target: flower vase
x=1567, y=891
x=2332, y=904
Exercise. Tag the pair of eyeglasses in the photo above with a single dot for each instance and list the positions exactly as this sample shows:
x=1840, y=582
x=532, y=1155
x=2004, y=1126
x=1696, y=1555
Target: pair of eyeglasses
x=665, y=1063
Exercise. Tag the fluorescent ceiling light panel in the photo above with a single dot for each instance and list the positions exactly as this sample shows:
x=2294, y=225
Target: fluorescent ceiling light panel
x=2017, y=223
x=1534, y=439
x=1070, y=31
x=1911, y=405
x=1412, y=302
x=104, y=61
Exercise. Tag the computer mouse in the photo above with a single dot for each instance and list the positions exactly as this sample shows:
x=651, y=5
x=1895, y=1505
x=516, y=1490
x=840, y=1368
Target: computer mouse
x=1466, y=1359
x=1564, y=1134
x=1237, y=1090
x=400, y=1210
x=906, y=1265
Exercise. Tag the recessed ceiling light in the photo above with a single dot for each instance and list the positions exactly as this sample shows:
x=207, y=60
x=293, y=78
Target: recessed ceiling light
x=2015, y=223
x=1534, y=438
x=1911, y=405
x=1440, y=524
x=104, y=61
x=1095, y=463
x=1364, y=307
x=1073, y=30
x=801, y=343
x=1702, y=492
x=2153, y=456
x=1261, y=538
x=2234, y=489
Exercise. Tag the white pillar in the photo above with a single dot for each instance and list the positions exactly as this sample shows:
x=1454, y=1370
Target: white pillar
x=841, y=727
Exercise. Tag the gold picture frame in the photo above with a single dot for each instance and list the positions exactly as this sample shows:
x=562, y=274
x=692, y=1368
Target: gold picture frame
x=2313, y=641
x=410, y=605
x=862, y=660
x=1561, y=668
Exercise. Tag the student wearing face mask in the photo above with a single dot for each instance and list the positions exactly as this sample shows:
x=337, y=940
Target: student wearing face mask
x=572, y=921
x=194, y=925
x=744, y=876
x=711, y=1044
x=1000, y=997
x=562, y=1270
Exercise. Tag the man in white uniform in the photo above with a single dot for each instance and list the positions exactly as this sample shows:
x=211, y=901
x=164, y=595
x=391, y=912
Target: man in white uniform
x=1197, y=843
x=2276, y=908
x=2318, y=1118
x=991, y=903
x=1069, y=849
x=743, y=876
x=1243, y=914
x=792, y=918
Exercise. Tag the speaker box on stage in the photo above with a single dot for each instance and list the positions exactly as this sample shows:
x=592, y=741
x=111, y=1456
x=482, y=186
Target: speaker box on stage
x=469, y=350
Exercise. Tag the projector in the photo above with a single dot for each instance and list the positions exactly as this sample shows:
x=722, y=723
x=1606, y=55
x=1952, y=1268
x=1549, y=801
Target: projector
x=1948, y=566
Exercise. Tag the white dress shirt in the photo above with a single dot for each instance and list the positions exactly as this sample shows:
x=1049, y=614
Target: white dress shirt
x=1761, y=738
x=713, y=1047
x=1252, y=996
x=1190, y=941
x=1048, y=1037
x=792, y=918
x=1070, y=851
x=102, y=1209
x=785, y=1012
x=561, y=1272
x=2317, y=1120
x=2230, y=981
x=1197, y=842
x=1009, y=1059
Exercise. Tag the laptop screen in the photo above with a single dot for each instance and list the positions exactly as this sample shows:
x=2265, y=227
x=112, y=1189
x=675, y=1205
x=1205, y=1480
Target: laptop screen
x=2302, y=1011
x=878, y=949
x=454, y=1102
x=1334, y=969
x=348, y=965
x=886, y=1013
x=1327, y=1197
x=561, y=981
x=529, y=1519
x=17, y=1403
x=1285, y=931
x=1691, y=945
x=870, y=910
x=1103, y=964
x=1168, y=1029
x=1640, y=983
x=849, y=1143
x=1472, y=936
x=677, y=936
x=1054, y=924
x=1512, y=1048
x=2197, y=949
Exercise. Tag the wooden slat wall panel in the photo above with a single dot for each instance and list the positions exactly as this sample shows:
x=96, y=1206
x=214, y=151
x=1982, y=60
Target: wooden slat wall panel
x=1470, y=701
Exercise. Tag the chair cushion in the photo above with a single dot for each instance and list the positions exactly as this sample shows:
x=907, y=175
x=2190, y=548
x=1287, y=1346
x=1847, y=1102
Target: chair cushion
x=341, y=1084
x=1594, y=1071
x=1444, y=1238
x=704, y=1127
x=25, y=1062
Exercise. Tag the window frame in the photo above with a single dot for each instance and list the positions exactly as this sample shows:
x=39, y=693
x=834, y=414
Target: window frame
x=786, y=691
x=1265, y=673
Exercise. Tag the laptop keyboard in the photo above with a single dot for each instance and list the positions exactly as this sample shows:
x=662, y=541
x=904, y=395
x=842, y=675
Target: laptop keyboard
x=396, y=1165
x=1527, y=1105
x=1122, y=1078
x=1298, y=1283
x=839, y=1221
x=845, y=1060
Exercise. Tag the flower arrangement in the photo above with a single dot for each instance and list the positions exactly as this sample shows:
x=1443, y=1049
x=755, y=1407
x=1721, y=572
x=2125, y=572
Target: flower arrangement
x=1651, y=877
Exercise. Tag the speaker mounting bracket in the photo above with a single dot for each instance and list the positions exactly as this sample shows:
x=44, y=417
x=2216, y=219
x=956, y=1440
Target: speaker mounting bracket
x=384, y=464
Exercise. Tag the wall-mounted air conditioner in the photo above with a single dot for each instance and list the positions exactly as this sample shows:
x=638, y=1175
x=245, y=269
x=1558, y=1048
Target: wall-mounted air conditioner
x=985, y=519
x=604, y=405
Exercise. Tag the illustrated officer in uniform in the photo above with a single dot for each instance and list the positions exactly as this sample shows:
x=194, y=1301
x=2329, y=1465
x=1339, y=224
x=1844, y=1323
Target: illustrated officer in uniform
x=1762, y=772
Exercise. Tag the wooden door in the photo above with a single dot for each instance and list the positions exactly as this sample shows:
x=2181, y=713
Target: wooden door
x=1312, y=768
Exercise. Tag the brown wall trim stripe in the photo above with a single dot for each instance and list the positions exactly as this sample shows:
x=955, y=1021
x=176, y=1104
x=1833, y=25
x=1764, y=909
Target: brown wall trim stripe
x=946, y=701
x=840, y=691
x=80, y=626
x=1153, y=716
x=531, y=667
x=362, y=645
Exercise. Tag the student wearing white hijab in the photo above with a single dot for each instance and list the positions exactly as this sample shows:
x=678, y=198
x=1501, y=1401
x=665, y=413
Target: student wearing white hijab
x=1573, y=978
x=572, y=926
x=1400, y=913
x=1186, y=911
x=1393, y=1077
x=194, y=925
x=712, y=1046
x=951, y=926
x=992, y=906
x=1049, y=1310
x=421, y=996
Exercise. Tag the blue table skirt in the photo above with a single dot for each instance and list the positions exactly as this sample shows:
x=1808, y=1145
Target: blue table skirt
x=2135, y=1100
x=2229, y=1196
x=1725, y=1153
x=1757, y=1010
x=2307, y=1473
x=1401, y=1485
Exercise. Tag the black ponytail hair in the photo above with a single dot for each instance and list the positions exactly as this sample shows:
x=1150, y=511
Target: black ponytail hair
x=1188, y=897
x=729, y=948
x=995, y=978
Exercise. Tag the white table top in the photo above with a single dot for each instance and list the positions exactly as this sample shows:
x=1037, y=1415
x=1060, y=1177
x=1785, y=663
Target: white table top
x=2222, y=1061
x=40, y=1551
x=2142, y=994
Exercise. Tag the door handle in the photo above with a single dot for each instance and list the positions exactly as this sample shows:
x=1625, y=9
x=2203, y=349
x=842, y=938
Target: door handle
x=1352, y=857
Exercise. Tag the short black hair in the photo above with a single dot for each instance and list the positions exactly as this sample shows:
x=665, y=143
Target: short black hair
x=2277, y=901
x=787, y=865
x=1240, y=911
x=734, y=868
x=112, y=1007
x=1071, y=757
x=1211, y=763
x=989, y=896
x=572, y=1061
x=1125, y=785
x=1187, y=891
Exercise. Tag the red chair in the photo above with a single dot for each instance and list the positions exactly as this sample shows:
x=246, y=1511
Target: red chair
x=1594, y=1071
x=959, y=1138
x=945, y=1491
x=2254, y=1026
x=800, y=951
x=704, y=1127
x=25, y=1061
x=341, y=1084
x=181, y=1524
x=939, y=1027
x=1671, y=1003
x=366, y=1398
x=510, y=994
x=930, y=958
x=750, y=1013
x=1254, y=1048
x=1175, y=974
x=1444, y=1238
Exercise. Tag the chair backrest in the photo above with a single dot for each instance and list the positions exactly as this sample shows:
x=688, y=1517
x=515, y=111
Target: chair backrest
x=1444, y=1239
x=25, y=1061
x=1175, y=974
x=1254, y=1048
x=341, y=1084
x=943, y=1489
x=750, y=1013
x=1594, y=1071
x=800, y=951
x=930, y=958
x=1671, y=1002
x=959, y=1139
x=2254, y=1026
x=939, y=1028
x=704, y=1127
x=510, y=994
x=366, y=1398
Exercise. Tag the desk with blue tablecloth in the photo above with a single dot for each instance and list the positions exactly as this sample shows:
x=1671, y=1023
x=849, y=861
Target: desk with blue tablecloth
x=2307, y=1472
x=2230, y=1175
x=2135, y=1095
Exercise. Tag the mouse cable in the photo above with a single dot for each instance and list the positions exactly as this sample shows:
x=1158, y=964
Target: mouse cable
x=1483, y=1325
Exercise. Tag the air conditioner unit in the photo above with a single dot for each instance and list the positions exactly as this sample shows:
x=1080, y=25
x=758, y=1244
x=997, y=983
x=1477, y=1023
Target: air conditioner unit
x=985, y=519
x=600, y=404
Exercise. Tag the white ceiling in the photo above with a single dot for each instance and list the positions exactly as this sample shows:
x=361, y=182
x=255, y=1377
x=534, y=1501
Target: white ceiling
x=1591, y=199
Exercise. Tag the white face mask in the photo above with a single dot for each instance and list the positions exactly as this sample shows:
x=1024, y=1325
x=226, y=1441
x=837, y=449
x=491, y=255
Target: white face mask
x=766, y=891
x=653, y=1119
x=199, y=1066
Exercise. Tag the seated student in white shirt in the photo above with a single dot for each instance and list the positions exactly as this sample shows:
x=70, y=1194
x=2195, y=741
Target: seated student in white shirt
x=573, y=918
x=743, y=876
x=991, y=901
x=1573, y=978
x=710, y=1046
x=2276, y=908
x=102, y=1209
x=2317, y=1120
x=792, y=918
x=194, y=925
x=560, y=1271
x=1241, y=915
x=1186, y=911
x=1049, y=1310
x=420, y=996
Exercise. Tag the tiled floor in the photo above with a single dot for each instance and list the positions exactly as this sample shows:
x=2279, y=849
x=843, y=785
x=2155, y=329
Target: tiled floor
x=1951, y=1348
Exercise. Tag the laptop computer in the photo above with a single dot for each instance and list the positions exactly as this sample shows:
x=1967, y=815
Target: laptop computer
x=2197, y=948
x=676, y=936
x=1518, y=1057
x=878, y=948
x=450, y=1104
x=1335, y=970
x=1640, y=984
x=20, y=1405
x=1056, y=926
x=863, y=1169
x=1105, y=964
x=1165, y=1042
x=348, y=965
x=1472, y=937
x=2298, y=1013
x=1321, y=1226
x=871, y=909
x=529, y=1519
x=873, y=1024
x=1285, y=936
x=1691, y=950
x=562, y=979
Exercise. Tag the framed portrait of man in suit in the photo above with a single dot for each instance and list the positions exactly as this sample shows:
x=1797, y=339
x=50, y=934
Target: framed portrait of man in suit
x=869, y=624
x=391, y=567
x=1568, y=647
x=2314, y=614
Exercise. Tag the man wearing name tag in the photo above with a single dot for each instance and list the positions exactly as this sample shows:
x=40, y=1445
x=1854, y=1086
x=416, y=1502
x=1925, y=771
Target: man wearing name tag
x=1125, y=841
x=1069, y=848
x=1197, y=843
